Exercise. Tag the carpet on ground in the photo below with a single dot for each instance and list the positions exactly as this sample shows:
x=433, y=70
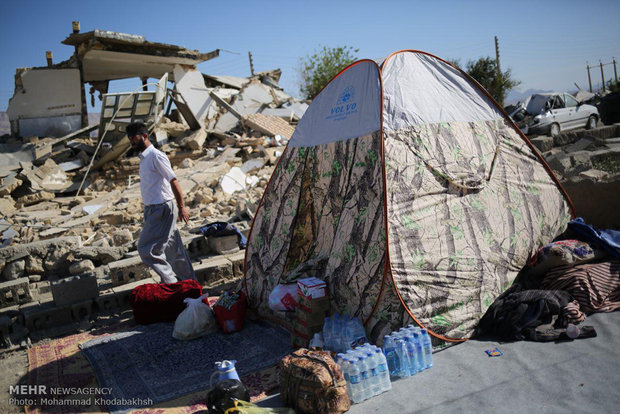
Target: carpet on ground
x=146, y=366
x=60, y=364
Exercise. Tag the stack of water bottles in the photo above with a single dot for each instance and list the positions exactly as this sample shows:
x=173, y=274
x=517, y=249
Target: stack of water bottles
x=341, y=333
x=366, y=372
x=408, y=351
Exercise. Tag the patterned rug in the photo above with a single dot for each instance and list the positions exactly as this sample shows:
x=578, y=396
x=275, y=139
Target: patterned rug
x=60, y=364
x=146, y=365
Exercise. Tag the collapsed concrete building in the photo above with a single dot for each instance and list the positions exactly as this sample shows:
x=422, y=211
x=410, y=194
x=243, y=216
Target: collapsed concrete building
x=69, y=201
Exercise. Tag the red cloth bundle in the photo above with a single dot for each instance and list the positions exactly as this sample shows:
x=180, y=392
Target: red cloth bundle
x=155, y=302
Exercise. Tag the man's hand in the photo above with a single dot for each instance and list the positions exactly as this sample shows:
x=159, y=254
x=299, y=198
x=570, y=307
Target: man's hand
x=184, y=214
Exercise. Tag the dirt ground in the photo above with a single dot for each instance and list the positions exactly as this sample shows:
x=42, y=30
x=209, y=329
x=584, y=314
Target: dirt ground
x=14, y=367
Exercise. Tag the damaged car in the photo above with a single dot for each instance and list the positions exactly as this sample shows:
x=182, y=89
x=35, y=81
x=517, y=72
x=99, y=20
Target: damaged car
x=553, y=113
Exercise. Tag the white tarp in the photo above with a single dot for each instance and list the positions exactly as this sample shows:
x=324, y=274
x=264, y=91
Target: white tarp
x=348, y=107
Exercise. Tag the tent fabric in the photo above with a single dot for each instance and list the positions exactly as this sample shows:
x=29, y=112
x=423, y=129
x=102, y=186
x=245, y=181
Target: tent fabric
x=349, y=108
x=427, y=216
x=339, y=224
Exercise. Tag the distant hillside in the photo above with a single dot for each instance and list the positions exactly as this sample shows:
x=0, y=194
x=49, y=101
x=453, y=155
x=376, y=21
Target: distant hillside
x=5, y=126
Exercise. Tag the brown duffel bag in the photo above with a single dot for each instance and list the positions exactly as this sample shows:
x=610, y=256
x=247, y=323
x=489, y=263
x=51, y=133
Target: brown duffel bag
x=311, y=382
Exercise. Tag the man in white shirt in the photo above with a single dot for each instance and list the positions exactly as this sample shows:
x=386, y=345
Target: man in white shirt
x=160, y=245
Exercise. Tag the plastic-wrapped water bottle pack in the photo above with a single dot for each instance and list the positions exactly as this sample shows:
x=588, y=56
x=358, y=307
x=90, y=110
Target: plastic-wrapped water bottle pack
x=408, y=351
x=366, y=372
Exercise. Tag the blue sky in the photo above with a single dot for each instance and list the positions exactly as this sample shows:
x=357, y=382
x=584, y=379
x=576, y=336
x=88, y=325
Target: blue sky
x=546, y=44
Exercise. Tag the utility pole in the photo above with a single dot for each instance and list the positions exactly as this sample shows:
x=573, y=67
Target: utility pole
x=499, y=71
x=589, y=78
x=615, y=72
x=602, y=76
x=251, y=63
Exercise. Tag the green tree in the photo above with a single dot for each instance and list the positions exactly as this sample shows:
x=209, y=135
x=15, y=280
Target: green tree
x=320, y=67
x=484, y=70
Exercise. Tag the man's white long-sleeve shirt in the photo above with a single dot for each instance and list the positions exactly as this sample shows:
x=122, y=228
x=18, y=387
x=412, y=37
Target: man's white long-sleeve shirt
x=155, y=175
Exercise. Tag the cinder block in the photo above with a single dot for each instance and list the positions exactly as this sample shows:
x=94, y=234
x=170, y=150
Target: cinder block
x=107, y=302
x=128, y=270
x=40, y=316
x=214, y=270
x=15, y=292
x=197, y=246
x=224, y=244
x=237, y=260
x=82, y=310
x=74, y=289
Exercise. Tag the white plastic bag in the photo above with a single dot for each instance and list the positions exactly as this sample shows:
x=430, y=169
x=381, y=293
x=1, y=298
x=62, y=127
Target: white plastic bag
x=283, y=297
x=195, y=321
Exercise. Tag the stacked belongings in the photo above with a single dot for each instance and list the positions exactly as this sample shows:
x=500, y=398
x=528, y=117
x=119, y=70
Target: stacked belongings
x=576, y=275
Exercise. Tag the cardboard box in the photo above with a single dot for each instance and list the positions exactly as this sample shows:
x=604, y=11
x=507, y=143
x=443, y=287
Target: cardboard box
x=311, y=287
x=305, y=331
x=312, y=312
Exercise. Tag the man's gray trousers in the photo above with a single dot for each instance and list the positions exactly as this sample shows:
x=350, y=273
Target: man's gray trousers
x=160, y=245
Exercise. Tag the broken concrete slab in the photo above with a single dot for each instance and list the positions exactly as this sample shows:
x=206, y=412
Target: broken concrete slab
x=582, y=144
x=233, y=181
x=195, y=140
x=14, y=270
x=269, y=125
x=7, y=206
x=580, y=160
x=9, y=184
x=35, y=198
x=82, y=267
x=560, y=162
x=190, y=83
x=595, y=175
x=543, y=143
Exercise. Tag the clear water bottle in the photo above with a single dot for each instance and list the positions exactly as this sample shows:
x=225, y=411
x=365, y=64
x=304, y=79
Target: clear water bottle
x=427, y=346
x=355, y=381
x=382, y=371
x=373, y=373
x=365, y=375
x=417, y=340
x=412, y=356
x=401, y=352
x=343, y=362
x=391, y=356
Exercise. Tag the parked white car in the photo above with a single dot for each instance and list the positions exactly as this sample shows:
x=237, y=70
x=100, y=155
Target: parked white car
x=557, y=112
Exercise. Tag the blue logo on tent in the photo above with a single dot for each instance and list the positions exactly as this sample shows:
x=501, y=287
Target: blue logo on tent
x=345, y=105
x=347, y=95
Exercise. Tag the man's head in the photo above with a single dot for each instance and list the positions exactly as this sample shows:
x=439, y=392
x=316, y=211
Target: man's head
x=138, y=135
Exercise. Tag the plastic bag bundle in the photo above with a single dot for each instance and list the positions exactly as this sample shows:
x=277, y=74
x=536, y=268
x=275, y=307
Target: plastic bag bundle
x=283, y=297
x=195, y=321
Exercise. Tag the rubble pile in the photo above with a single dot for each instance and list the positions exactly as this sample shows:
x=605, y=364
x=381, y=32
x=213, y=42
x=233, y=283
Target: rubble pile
x=68, y=257
x=587, y=162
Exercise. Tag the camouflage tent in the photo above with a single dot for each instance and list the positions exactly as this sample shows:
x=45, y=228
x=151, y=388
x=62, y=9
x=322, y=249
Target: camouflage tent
x=410, y=192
